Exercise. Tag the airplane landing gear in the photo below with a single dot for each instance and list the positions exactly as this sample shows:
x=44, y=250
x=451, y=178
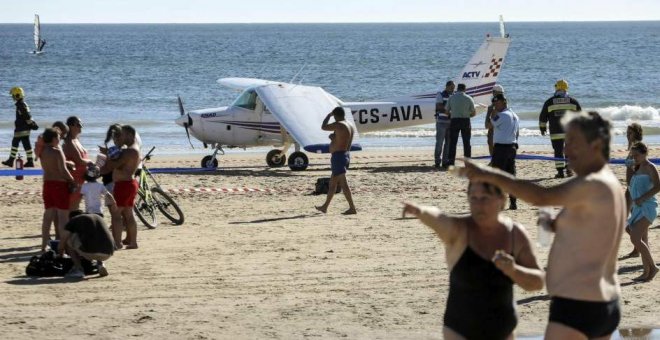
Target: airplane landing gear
x=298, y=161
x=211, y=161
x=275, y=158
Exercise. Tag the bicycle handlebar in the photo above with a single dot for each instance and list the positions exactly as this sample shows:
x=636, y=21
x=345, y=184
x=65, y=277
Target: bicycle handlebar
x=148, y=155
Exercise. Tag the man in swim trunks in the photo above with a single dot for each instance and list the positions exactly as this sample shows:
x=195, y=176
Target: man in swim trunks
x=76, y=153
x=125, y=189
x=340, y=145
x=584, y=289
x=57, y=183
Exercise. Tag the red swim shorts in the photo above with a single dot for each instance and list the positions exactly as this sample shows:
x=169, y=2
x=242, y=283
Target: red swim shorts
x=56, y=195
x=79, y=178
x=125, y=192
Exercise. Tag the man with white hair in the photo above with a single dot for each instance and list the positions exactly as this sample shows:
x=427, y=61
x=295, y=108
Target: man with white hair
x=497, y=89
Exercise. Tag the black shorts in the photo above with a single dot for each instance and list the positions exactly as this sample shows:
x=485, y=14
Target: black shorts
x=593, y=319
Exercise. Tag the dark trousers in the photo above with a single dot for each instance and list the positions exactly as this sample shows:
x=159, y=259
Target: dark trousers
x=558, y=147
x=462, y=126
x=504, y=158
x=26, y=145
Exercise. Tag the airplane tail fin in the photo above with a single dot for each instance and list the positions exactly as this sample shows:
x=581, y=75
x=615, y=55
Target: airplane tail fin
x=481, y=72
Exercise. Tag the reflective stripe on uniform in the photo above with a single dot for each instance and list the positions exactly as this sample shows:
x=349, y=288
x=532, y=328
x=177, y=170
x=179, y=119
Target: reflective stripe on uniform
x=543, y=125
x=560, y=165
x=557, y=107
x=556, y=136
x=19, y=134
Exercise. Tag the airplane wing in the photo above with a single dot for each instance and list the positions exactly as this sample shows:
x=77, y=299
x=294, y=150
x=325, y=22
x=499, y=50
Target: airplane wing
x=244, y=83
x=301, y=110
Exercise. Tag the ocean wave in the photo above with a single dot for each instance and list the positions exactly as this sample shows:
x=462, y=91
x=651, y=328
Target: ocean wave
x=427, y=133
x=629, y=113
x=524, y=132
x=623, y=113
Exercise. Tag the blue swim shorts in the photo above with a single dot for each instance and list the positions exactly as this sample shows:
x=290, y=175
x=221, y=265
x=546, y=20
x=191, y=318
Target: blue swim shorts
x=339, y=162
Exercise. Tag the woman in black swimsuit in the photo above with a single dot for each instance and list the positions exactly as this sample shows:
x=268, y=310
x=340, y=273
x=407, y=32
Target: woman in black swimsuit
x=486, y=254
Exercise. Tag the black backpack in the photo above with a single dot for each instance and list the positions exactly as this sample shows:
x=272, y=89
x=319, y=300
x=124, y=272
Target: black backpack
x=323, y=185
x=46, y=265
x=50, y=264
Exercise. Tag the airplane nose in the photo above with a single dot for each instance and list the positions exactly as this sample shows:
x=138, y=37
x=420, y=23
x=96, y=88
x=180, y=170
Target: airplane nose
x=181, y=120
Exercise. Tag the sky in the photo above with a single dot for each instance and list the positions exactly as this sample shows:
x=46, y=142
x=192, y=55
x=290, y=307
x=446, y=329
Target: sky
x=323, y=11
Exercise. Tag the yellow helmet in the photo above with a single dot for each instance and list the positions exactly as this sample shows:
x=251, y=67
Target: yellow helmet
x=17, y=92
x=561, y=85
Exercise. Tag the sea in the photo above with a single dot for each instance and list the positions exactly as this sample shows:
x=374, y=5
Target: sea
x=132, y=73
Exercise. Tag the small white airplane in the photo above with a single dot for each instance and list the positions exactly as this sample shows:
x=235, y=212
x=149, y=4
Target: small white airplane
x=284, y=114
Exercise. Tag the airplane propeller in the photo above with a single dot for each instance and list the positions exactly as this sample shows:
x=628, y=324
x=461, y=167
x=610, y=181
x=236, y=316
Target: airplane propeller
x=185, y=124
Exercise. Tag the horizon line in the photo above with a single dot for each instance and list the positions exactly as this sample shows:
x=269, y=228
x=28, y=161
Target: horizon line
x=328, y=22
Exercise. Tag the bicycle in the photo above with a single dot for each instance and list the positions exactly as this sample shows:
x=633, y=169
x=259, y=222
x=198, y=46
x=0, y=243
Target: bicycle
x=152, y=197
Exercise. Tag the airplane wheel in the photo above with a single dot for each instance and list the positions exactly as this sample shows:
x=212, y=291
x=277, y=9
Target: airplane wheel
x=275, y=158
x=298, y=161
x=209, y=163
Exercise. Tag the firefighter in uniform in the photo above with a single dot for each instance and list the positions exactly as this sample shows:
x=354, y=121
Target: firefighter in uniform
x=23, y=125
x=553, y=110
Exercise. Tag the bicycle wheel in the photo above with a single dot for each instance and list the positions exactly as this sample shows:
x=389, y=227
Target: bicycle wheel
x=167, y=206
x=145, y=211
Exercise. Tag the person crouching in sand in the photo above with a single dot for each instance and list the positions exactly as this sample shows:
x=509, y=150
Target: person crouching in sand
x=57, y=186
x=582, y=270
x=340, y=145
x=487, y=253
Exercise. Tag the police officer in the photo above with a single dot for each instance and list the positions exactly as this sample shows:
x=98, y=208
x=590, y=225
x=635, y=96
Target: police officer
x=506, y=125
x=442, y=126
x=23, y=125
x=553, y=110
x=497, y=89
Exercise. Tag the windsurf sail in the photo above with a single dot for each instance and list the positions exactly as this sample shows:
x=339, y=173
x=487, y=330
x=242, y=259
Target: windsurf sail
x=39, y=43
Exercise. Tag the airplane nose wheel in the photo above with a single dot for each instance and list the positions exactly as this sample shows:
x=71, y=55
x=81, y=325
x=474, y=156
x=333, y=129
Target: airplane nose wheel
x=275, y=158
x=298, y=161
x=209, y=162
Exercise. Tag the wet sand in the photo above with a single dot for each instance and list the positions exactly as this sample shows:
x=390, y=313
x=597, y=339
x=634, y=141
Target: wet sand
x=266, y=264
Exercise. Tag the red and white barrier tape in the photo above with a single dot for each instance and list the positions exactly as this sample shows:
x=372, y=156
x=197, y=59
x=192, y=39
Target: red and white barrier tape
x=176, y=190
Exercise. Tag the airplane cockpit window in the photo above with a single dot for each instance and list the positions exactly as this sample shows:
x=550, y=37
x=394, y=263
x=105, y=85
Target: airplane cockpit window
x=247, y=100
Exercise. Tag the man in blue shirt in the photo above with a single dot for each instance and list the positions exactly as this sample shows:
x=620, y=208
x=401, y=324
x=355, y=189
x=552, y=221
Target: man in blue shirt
x=442, y=126
x=505, y=139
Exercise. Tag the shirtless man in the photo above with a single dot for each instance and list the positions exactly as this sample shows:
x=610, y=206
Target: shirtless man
x=582, y=272
x=76, y=153
x=125, y=189
x=340, y=145
x=57, y=182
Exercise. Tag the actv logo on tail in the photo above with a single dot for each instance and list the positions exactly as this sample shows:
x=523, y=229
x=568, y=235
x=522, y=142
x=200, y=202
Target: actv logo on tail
x=473, y=74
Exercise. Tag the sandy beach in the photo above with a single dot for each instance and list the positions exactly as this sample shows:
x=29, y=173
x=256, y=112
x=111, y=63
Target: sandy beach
x=265, y=264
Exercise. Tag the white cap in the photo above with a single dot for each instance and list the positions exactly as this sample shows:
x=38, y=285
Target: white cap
x=498, y=88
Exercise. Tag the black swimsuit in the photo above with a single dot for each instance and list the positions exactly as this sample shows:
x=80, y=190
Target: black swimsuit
x=480, y=303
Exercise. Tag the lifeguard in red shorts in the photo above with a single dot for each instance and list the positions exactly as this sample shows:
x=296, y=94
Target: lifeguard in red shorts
x=125, y=187
x=76, y=153
x=57, y=183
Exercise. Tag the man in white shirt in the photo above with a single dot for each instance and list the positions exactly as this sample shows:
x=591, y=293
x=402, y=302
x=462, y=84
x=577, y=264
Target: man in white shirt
x=505, y=139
